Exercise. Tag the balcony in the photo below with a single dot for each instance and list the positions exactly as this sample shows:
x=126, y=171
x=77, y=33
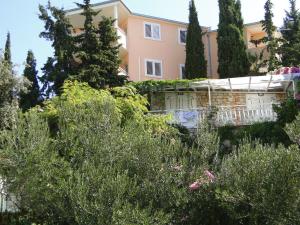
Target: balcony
x=221, y=116
x=122, y=38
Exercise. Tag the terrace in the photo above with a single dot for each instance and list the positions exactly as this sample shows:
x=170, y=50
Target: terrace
x=235, y=101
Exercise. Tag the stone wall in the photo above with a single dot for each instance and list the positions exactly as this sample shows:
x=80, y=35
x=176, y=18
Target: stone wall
x=218, y=98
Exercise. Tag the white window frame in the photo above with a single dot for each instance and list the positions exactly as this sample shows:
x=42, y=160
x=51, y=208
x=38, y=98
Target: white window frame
x=153, y=61
x=152, y=24
x=180, y=70
x=179, y=39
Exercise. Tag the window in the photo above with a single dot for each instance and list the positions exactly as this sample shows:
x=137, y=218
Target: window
x=182, y=71
x=153, y=68
x=182, y=36
x=152, y=31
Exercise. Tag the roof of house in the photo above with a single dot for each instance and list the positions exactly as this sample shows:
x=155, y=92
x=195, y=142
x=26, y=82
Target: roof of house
x=133, y=13
x=245, y=25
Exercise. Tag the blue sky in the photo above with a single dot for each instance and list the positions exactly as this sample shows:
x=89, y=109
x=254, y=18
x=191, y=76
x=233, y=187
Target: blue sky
x=20, y=18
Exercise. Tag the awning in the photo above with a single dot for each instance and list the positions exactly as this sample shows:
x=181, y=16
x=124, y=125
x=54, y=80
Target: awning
x=251, y=83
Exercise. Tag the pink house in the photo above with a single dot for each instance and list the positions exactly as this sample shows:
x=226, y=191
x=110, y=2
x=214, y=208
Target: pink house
x=154, y=48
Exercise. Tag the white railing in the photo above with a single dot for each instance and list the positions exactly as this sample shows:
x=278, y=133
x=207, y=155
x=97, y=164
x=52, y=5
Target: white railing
x=241, y=115
x=221, y=116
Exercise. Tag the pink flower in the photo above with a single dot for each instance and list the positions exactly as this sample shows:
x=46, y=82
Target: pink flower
x=210, y=176
x=286, y=70
x=194, y=186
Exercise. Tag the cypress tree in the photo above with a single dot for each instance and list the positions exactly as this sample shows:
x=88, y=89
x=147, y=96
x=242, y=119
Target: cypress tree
x=97, y=51
x=111, y=61
x=32, y=96
x=233, y=58
x=195, y=65
x=290, y=49
x=269, y=28
x=89, y=49
x=7, y=52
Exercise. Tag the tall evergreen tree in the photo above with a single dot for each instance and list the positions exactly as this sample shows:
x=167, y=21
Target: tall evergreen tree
x=195, y=65
x=7, y=52
x=98, y=52
x=290, y=49
x=233, y=58
x=111, y=63
x=31, y=97
x=269, y=28
x=58, y=31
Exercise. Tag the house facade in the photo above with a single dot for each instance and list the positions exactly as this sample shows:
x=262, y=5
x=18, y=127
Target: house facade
x=154, y=48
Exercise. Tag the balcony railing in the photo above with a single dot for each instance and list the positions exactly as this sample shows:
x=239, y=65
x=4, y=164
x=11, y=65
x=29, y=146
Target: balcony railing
x=221, y=116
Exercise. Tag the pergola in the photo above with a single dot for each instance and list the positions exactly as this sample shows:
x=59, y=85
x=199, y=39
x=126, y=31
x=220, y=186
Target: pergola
x=251, y=84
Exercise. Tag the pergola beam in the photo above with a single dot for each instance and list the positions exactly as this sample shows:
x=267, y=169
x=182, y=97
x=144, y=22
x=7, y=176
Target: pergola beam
x=209, y=94
x=249, y=86
x=230, y=86
x=271, y=78
x=290, y=81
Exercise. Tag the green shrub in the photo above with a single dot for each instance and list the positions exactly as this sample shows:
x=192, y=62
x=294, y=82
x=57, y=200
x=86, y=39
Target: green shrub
x=99, y=168
x=260, y=185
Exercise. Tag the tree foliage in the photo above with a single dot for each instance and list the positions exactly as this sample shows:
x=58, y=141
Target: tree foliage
x=290, y=31
x=91, y=57
x=270, y=40
x=10, y=86
x=58, y=31
x=32, y=96
x=102, y=165
x=293, y=130
x=195, y=65
x=98, y=51
x=259, y=185
x=95, y=157
x=7, y=50
x=233, y=59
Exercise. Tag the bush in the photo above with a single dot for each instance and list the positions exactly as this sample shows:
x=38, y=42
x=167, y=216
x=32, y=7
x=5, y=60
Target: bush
x=88, y=157
x=270, y=133
x=260, y=185
x=293, y=130
x=96, y=167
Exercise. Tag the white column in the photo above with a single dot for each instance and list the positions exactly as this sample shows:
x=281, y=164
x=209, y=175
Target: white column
x=116, y=16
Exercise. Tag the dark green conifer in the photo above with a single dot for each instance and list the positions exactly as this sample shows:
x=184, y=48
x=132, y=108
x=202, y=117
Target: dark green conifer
x=98, y=51
x=270, y=40
x=195, y=65
x=7, y=51
x=32, y=96
x=233, y=58
x=58, y=31
x=290, y=49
